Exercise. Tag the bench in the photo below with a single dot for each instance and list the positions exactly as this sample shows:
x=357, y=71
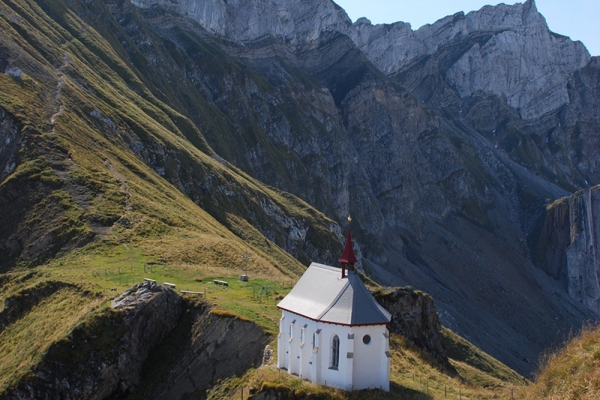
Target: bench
x=191, y=292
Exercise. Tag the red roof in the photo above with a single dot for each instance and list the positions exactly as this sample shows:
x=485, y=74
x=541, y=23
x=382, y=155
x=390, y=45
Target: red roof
x=348, y=255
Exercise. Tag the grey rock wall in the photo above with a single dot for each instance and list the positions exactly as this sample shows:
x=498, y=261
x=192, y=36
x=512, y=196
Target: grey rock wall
x=582, y=255
x=520, y=59
x=297, y=22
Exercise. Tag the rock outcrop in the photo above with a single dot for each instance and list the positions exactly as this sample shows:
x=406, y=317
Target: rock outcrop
x=149, y=329
x=298, y=23
x=104, y=357
x=414, y=316
x=512, y=54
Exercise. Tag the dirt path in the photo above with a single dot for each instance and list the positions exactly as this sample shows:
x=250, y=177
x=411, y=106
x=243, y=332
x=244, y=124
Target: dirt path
x=58, y=90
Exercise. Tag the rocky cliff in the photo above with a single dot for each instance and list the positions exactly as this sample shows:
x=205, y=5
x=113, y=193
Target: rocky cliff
x=568, y=245
x=511, y=53
x=298, y=23
x=532, y=75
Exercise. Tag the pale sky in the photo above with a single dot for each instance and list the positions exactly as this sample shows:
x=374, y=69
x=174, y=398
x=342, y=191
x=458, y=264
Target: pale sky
x=578, y=19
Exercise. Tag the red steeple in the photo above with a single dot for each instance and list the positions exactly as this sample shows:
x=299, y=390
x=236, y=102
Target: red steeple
x=348, y=256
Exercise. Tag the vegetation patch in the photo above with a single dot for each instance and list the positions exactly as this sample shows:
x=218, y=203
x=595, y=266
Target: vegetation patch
x=462, y=351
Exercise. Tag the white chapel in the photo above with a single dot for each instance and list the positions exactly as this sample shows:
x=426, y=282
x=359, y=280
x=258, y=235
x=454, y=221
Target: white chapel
x=332, y=331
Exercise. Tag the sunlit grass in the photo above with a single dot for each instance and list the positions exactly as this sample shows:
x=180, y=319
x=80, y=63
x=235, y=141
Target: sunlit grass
x=572, y=372
x=23, y=343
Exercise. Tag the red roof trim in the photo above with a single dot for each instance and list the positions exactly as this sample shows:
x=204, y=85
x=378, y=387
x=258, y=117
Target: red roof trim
x=331, y=322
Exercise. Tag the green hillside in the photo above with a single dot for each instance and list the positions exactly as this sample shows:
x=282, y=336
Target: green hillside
x=91, y=204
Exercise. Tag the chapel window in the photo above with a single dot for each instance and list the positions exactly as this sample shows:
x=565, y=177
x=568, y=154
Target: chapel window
x=335, y=352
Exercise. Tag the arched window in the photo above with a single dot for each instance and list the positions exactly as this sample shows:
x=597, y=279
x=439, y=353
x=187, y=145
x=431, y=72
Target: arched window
x=335, y=352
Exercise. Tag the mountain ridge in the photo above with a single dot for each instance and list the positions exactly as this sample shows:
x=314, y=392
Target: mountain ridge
x=394, y=47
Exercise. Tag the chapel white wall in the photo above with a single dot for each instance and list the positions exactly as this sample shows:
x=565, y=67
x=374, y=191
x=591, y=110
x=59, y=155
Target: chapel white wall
x=372, y=363
x=360, y=366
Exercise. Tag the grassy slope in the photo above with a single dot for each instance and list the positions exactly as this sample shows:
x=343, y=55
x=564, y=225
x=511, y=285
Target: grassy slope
x=477, y=366
x=573, y=372
x=85, y=182
x=105, y=111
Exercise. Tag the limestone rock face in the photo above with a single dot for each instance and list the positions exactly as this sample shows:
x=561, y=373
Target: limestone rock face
x=583, y=257
x=517, y=57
